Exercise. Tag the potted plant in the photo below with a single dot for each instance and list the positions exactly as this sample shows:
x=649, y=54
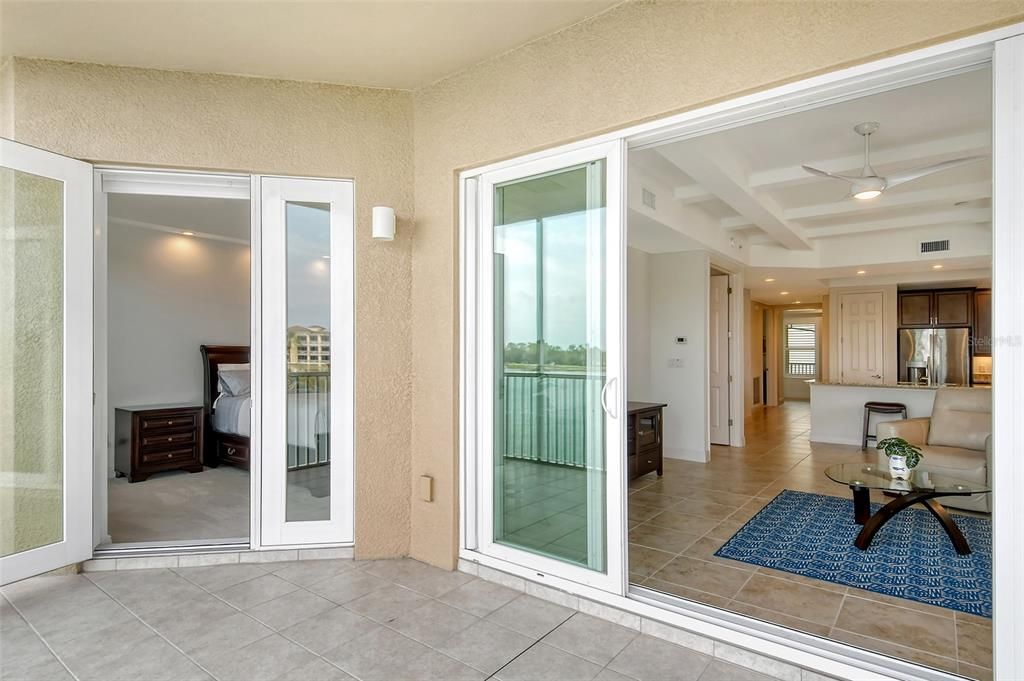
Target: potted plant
x=903, y=456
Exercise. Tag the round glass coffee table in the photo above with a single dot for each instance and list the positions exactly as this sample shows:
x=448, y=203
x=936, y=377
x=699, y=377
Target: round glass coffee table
x=922, y=487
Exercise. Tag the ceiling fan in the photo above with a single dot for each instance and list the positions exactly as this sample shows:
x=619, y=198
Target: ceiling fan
x=868, y=184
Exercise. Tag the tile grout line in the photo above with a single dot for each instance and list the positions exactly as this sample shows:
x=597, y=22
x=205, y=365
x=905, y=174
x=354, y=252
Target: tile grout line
x=42, y=638
x=532, y=645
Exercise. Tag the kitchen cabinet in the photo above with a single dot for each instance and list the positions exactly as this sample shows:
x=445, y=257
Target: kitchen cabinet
x=916, y=309
x=982, y=337
x=940, y=308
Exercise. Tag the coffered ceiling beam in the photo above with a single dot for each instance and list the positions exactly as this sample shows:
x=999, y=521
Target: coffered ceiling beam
x=947, y=195
x=963, y=145
x=945, y=217
x=722, y=174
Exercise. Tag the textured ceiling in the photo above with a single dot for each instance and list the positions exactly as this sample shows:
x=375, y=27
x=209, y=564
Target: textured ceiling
x=377, y=43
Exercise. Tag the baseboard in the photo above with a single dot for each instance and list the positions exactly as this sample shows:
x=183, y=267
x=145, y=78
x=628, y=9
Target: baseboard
x=827, y=438
x=698, y=455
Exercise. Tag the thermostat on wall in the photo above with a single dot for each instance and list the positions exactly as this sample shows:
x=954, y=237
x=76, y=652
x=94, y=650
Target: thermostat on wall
x=681, y=340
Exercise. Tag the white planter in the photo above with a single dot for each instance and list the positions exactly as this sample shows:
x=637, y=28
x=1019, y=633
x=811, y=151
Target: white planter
x=898, y=468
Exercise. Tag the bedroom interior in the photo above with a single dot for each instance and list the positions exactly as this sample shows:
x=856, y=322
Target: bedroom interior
x=740, y=493
x=180, y=393
x=177, y=281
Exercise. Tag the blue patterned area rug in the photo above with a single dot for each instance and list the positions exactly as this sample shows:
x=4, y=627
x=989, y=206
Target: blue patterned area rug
x=911, y=557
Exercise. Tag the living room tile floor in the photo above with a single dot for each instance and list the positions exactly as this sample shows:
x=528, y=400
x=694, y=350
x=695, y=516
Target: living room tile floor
x=327, y=620
x=677, y=522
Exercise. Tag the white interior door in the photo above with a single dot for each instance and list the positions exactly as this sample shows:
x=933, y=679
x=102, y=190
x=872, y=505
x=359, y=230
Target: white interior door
x=549, y=445
x=45, y=361
x=307, y=361
x=718, y=359
x=861, y=338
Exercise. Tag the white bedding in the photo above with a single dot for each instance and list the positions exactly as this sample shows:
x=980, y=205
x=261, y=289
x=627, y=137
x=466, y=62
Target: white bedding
x=307, y=417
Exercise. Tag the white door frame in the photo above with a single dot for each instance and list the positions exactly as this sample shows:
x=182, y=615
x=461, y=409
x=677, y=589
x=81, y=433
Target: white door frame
x=157, y=182
x=77, y=532
x=1004, y=49
x=478, y=341
x=275, y=531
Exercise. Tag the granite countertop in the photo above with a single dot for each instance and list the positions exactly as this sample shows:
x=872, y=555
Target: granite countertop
x=900, y=386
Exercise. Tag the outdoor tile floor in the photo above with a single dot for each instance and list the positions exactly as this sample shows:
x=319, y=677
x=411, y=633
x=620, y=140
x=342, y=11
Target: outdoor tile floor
x=326, y=620
x=678, y=521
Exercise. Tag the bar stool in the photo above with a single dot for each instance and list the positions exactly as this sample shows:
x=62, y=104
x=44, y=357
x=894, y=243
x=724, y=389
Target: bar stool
x=880, y=408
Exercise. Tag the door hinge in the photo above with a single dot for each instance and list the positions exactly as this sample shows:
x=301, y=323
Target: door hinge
x=730, y=422
x=730, y=379
x=729, y=290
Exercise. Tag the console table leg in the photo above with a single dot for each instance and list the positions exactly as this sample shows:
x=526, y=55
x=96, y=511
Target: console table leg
x=861, y=504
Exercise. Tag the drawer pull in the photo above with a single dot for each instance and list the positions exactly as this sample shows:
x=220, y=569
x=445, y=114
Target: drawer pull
x=170, y=439
x=231, y=451
x=171, y=455
x=170, y=423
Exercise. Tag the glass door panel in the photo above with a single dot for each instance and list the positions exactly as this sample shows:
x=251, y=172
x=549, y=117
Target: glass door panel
x=549, y=360
x=45, y=361
x=549, y=451
x=306, y=406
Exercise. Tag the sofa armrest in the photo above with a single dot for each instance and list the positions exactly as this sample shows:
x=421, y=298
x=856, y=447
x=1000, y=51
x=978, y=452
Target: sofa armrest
x=914, y=431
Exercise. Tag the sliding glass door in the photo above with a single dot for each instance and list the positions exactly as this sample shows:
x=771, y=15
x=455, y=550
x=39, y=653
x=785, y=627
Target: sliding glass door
x=548, y=452
x=306, y=407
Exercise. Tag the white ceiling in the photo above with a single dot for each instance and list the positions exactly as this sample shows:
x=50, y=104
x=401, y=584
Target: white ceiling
x=757, y=207
x=402, y=44
x=217, y=218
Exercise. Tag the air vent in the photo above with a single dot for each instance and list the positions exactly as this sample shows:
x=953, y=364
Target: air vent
x=650, y=199
x=934, y=246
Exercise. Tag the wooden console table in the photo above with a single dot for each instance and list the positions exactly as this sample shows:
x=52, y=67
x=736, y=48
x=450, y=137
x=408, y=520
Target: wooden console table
x=644, y=438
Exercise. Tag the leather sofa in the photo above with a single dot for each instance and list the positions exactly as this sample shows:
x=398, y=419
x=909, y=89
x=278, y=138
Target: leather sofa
x=955, y=441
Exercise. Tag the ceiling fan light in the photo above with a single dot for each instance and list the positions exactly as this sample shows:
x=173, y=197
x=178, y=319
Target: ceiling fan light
x=865, y=194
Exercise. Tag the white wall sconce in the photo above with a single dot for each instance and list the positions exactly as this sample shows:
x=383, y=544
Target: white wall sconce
x=383, y=223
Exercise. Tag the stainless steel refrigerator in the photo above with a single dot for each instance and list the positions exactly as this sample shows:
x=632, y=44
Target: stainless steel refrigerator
x=944, y=353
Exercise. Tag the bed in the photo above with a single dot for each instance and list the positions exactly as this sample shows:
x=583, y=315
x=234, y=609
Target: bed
x=227, y=417
x=228, y=411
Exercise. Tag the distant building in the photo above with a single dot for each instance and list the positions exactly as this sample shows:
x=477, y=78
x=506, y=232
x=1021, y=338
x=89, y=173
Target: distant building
x=309, y=348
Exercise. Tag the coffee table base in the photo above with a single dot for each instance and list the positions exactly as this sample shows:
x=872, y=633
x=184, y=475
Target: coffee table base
x=873, y=523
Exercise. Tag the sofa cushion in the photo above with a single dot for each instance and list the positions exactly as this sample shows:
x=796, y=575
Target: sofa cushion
x=961, y=417
x=966, y=464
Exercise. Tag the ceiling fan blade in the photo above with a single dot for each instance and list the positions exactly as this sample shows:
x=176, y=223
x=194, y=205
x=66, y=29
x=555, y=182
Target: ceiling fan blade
x=897, y=179
x=825, y=173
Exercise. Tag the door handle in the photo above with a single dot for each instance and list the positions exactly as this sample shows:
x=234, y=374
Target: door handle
x=604, y=396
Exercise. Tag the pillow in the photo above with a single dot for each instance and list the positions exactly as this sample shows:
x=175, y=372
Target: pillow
x=233, y=379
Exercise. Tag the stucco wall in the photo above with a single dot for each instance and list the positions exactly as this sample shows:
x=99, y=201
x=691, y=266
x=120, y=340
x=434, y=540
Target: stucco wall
x=637, y=61
x=187, y=120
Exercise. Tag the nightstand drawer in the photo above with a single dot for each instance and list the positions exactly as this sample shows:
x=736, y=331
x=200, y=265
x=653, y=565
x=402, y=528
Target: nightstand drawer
x=162, y=440
x=165, y=421
x=174, y=456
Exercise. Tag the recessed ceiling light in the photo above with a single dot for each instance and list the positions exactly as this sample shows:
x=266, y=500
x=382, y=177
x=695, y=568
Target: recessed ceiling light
x=862, y=271
x=936, y=267
x=783, y=293
x=188, y=233
x=769, y=280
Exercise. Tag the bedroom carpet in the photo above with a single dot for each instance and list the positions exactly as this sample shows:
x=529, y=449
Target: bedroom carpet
x=214, y=504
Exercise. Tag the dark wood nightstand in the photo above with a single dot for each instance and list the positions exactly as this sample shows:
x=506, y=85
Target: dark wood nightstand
x=156, y=438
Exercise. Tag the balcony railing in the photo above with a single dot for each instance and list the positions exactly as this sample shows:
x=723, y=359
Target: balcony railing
x=309, y=419
x=546, y=416
x=801, y=369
